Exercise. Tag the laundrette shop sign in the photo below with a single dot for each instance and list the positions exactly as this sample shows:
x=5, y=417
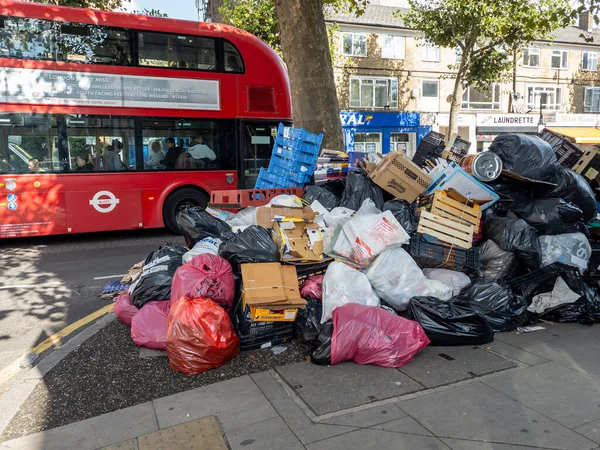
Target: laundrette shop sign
x=508, y=120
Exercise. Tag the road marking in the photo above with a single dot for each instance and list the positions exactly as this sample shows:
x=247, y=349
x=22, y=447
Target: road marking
x=31, y=286
x=57, y=337
x=110, y=276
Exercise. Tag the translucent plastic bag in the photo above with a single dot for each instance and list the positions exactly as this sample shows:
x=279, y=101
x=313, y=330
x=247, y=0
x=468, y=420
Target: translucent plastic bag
x=396, y=278
x=572, y=249
x=124, y=309
x=370, y=335
x=200, y=336
x=149, y=325
x=454, y=280
x=337, y=214
x=343, y=284
x=285, y=200
x=208, y=276
x=206, y=245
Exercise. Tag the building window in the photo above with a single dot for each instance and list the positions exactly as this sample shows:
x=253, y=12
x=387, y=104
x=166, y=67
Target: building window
x=177, y=51
x=431, y=89
x=589, y=61
x=531, y=57
x=560, y=59
x=591, y=102
x=431, y=52
x=354, y=44
x=367, y=142
x=392, y=47
x=553, y=97
x=373, y=92
x=488, y=99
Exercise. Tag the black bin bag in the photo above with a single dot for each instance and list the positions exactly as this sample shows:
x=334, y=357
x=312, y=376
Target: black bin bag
x=253, y=245
x=528, y=156
x=572, y=188
x=321, y=355
x=501, y=309
x=196, y=224
x=512, y=234
x=321, y=194
x=585, y=311
x=550, y=216
x=448, y=323
x=359, y=187
x=308, y=322
x=405, y=213
x=495, y=262
x=157, y=275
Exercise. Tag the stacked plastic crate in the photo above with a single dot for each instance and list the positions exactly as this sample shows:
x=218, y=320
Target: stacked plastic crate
x=293, y=159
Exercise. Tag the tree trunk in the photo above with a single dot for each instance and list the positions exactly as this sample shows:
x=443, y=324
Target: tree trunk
x=306, y=53
x=455, y=107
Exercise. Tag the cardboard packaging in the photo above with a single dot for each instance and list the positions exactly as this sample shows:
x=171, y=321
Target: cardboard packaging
x=271, y=292
x=589, y=164
x=265, y=216
x=399, y=176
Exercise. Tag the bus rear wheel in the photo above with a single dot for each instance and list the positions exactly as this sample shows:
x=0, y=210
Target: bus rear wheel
x=179, y=200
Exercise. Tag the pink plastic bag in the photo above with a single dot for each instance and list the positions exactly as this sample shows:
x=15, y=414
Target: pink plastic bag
x=372, y=335
x=149, y=325
x=207, y=276
x=312, y=287
x=124, y=309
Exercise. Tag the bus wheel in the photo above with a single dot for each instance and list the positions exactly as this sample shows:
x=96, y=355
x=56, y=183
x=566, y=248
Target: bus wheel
x=179, y=200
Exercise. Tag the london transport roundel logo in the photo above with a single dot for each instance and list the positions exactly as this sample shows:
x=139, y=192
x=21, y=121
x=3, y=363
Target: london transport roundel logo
x=104, y=201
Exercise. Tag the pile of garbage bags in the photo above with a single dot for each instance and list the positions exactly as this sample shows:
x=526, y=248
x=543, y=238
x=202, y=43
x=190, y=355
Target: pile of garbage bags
x=367, y=295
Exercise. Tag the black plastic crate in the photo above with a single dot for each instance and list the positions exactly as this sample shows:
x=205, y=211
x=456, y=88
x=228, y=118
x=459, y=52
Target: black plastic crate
x=460, y=147
x=431, y=146
x=593, y=272
x=432, y=255
x=566, y=153
x=543, y=279
x=266, y=340
x=247, y=327
x=309, y=270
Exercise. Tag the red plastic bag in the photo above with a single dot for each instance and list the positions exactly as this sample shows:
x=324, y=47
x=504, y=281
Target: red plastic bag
x=372, y=335
x=312, y=287
x=199, y=336
x=149, y=325
x=205, y=275
x=124, y=309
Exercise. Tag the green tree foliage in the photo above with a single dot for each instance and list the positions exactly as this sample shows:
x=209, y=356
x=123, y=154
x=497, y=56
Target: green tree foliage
x=108, y=5
x=487, y=32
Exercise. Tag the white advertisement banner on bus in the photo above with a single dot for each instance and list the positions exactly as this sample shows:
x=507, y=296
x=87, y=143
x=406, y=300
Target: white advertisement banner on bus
x=52, y=87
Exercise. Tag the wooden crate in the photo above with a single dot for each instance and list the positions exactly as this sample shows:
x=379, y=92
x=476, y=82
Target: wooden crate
x=446, y=230
x=443, y=206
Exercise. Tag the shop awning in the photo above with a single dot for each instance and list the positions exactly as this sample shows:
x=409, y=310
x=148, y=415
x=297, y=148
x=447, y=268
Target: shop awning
x=579, y=135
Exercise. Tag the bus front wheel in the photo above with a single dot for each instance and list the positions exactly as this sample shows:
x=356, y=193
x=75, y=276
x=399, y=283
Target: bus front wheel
x=179, y=200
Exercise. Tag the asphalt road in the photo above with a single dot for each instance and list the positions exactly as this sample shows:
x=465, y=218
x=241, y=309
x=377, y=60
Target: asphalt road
x=48, y=283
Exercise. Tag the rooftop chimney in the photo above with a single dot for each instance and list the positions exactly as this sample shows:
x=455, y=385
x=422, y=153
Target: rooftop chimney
x=586, y=21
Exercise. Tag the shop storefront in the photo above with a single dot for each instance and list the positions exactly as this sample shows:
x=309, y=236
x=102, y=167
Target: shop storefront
x=491, y=125
x=466, y=127
x=382, y=132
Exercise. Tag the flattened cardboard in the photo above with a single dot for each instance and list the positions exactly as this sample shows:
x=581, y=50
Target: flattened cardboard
x=294, y=243
x=272, y=285
x=266, y=215
x=399, y=176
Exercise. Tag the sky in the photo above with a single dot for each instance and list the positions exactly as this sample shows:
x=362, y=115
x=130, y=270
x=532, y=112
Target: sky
x=175, y=9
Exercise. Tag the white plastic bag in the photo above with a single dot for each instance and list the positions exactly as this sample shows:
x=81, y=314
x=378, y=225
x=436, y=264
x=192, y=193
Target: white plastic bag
x=289, y=201
x=572, y=249
x=454, y=280
x=206, y=245
x=438, y=290
x=396, y=278
x=341, y=285
x=560, y=295
x=371, y=233
x=245, y=217
x=337, y=214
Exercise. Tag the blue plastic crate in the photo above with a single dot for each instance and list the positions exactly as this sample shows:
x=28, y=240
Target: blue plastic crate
x=270, y=180
x=355, y=157
x=299, y=134
x=292, y=155
x=298, y=146
x=297, y=177
x=291, y=166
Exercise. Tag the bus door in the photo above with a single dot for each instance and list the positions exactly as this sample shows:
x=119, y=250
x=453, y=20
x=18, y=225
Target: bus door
x=257, y=140
x=98, y=199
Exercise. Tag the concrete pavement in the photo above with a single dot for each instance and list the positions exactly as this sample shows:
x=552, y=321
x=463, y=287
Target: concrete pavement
x=524, y=391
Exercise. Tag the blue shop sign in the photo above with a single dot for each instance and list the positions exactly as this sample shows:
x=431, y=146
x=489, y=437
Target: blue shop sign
x=379, y=119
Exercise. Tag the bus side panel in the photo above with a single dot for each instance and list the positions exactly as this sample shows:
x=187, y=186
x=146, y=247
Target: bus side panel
x=104, y=210
x=28, y=209
x=152, y=208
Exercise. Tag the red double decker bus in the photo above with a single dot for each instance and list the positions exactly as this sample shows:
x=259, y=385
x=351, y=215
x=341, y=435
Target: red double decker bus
x=113, y=121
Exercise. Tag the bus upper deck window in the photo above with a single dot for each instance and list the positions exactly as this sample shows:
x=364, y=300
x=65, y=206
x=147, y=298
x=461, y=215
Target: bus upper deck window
x=27, y=38
x=233, y=60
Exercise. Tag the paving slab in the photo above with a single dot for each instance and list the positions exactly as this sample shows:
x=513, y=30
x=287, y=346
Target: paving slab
x=272, y=434
x=292, y=414
x=556, y=391
x=368, y=439
x=439, y=366
x=457, y=444
x=327, y=389
x=203, y=434
x=515, y=353
x=590, y=431
x=477, y=412
x=93, y=433
x=368, y=417
x=406, y=425
x=237, y=403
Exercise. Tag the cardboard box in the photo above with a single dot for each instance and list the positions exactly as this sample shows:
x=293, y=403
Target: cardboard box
x=266, y=215
x=399, y=176
x=589, y=164
x=299, y=242
x=271, y=285
x=263, y=314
